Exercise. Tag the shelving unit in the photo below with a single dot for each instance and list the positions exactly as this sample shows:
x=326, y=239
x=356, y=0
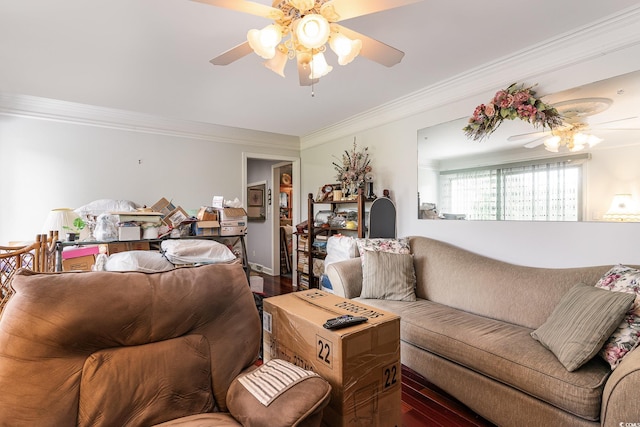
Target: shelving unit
x=286, y=203
x=308, y=253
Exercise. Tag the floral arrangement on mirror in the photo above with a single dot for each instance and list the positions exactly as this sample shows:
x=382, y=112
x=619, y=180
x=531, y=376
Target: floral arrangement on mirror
x=515, y=102
x=352, y=168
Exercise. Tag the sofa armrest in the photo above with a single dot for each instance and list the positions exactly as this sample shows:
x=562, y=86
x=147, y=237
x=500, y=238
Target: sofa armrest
x=300, y=405
x=346, y=277
x=620, y=404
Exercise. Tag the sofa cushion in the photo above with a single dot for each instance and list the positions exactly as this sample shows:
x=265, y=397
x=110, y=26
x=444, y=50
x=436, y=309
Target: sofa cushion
x=312, y=393
x=627, y=336
x=397, y=246
x=517, y=294
x=213, y=419
x=387, y=275
x=502, y=351
x=121, y=386
x=580, y=324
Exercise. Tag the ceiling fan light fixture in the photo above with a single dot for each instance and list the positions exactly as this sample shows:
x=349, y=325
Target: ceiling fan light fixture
x=278, y=62
x=319, y=67
x=302, y=5
x=552, y=143
x=264, y=42
x=312, y=31
x=344, y=47
x=329, y=12
x=593, y=140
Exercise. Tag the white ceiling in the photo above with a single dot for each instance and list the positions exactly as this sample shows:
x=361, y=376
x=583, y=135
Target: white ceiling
x=152, y=56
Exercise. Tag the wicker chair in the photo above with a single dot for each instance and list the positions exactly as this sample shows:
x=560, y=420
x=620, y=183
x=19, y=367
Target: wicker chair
x=38, y=256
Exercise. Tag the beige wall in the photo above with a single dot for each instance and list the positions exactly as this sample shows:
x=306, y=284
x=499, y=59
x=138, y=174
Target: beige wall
x=52, y=164
x=393, y=146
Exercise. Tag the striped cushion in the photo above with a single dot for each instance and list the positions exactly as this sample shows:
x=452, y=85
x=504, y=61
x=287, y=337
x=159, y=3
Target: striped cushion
x=581, y=323
x=387, y=275
x=272, y=379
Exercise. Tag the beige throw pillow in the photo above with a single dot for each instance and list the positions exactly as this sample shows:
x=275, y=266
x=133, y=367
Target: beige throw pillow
x=582, y=321
x=387, y=275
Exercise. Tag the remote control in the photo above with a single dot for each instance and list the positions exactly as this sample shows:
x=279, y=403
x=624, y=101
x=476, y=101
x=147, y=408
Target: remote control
x=344, y=321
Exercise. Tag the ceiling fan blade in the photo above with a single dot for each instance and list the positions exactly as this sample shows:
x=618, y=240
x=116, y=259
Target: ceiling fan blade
x=527, y=136
x=533, y=144
x=373, y=49
x=347, y=9
x=233, y=54
x=304, y=72
x=246, y=7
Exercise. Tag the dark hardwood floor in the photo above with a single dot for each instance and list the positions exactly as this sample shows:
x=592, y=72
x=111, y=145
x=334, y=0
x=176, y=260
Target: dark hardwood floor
x=423, y=404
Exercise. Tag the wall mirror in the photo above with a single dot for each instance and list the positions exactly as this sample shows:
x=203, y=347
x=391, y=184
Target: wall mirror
x=517, y=173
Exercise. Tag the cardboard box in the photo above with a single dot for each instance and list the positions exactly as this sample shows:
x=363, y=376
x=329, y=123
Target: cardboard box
x=129, y=233
x=231, y=214
x=176, y=217
x=164, y=206
x=71, y=252
x=116, y=247
x=233, y=230
x=83, y=263
x=207, y=213
x=207, y=228
x=361, y=362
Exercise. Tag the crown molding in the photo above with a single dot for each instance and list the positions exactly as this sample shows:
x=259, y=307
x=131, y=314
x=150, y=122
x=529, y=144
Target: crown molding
x=110, y=118
x=614, y=33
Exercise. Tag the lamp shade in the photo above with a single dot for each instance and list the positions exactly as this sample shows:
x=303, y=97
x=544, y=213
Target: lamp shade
x=312, y=31
x=623, y=208
x=277, y=63
x=264, y=42
x=60, y=220
x=344, y=47
x=319, y=66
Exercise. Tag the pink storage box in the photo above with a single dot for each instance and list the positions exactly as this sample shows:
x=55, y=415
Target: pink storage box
x=69, y=253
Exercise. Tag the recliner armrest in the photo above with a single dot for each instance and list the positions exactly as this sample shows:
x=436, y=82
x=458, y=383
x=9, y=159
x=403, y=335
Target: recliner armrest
x=346, y=277
x=300, y=405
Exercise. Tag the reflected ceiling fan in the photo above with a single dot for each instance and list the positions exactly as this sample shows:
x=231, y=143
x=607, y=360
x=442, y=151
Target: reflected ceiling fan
x=575, y=132
x=301, y=30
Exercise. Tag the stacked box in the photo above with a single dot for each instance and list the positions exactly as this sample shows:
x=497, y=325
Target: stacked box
x=79, y=258
x=361, y=362
x=116, y=247
x=233, y=221
x=129, y=233
x=206, y=228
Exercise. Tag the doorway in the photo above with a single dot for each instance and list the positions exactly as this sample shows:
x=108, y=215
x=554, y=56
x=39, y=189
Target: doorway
x=284, y=199
x=264, y=241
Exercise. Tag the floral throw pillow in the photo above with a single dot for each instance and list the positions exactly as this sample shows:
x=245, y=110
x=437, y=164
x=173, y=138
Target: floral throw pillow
x=396, y=246
x=627, y=336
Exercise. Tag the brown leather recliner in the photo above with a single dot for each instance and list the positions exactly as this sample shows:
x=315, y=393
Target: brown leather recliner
x=138, y=349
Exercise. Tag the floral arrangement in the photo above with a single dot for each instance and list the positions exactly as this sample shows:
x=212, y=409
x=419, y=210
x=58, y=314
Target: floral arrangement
x=353, y=167
x=510, y=104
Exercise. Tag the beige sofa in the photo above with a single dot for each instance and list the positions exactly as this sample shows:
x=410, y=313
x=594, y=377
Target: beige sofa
x=468, y=333
x=138, y=349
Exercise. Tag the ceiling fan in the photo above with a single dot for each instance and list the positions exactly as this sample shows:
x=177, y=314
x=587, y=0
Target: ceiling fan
x=575, y=132
x=302, y=28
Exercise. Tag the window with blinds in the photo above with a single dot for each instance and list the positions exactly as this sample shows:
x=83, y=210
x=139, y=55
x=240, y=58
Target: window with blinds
x=541, y=190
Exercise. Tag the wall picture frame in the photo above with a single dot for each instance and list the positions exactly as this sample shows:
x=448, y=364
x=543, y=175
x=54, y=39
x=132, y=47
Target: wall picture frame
x=256, y=202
